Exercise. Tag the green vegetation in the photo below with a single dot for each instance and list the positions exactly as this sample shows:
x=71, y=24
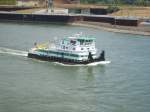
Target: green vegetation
x=112, y=9
x=119, y=2
x=7, y=2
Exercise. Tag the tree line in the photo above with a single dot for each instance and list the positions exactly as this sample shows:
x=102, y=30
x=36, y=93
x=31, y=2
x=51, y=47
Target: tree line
x=119, y=2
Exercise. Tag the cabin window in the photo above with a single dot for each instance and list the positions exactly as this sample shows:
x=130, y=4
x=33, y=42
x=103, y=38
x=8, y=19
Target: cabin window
x=74, y=49
x=63, y=47
x=81, y=48
x=73, y=42
x=81, y=42
x=62, y=42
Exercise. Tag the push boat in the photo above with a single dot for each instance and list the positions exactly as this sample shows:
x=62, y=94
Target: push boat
x=76, y=49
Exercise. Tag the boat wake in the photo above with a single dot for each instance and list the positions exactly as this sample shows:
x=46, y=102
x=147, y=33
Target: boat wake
x=91, y=64
x=12, y=52
x=4, y=50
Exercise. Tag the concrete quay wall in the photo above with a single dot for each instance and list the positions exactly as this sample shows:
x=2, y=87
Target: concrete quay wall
x=67, y=18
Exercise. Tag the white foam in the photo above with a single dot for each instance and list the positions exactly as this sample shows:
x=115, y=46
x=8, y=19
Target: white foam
x=13, y=52
x=91, y=64
x=99, y=63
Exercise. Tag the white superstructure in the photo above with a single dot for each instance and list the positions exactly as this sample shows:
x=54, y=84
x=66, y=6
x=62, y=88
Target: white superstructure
x=76, y=47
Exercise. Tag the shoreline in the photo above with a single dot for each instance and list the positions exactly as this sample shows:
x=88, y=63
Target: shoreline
x=99, y=22
x=114, y=28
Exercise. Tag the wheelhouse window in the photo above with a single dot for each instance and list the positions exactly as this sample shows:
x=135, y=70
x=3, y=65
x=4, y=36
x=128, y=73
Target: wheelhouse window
x=88, y=42
x=85, y=42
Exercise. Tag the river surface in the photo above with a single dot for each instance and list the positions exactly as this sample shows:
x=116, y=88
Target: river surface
x=29, y=85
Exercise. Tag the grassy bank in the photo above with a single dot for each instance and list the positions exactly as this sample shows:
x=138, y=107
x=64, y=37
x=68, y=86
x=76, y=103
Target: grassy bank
x=7, y=2
x=133, y=11
x=118, y=2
